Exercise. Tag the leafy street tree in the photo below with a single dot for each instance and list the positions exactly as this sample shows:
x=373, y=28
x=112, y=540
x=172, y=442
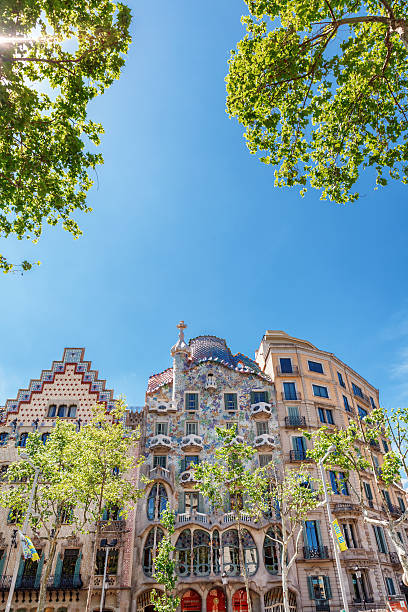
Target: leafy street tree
x=232, y=477
x=81, y=472
x=164, y=567
x=55, y=57
x=294, y=494
x=356, y=447
x=321, y=89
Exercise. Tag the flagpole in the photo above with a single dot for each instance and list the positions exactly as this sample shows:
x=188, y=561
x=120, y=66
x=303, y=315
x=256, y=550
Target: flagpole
x=25, y=527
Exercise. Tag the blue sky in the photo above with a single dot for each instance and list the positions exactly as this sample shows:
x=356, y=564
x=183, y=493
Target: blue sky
x=188, y=225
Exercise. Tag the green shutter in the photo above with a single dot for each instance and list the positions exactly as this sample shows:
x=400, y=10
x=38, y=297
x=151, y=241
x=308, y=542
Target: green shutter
x=267, y=396
x=327, y=587
x=181, y=502
x=319, y=533
x=39, y=571
x=77, y=570
x=252, y=397
x=200, y=505
x=2, y=560
x=105, y=514
x=58, y=570
x=293, y=411
x=310, y=585
x=20, y=571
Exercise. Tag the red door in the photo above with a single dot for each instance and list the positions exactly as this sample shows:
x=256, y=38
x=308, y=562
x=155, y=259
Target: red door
x=239, y=601
x=191, y=602
x=216, y=600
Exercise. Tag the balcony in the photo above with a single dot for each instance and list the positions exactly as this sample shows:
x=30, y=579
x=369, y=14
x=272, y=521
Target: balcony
x=264, y=442
x=192, y=442
x=293, y=371
x=261, y=408
x=362, y=398
x=237, y=440
x=192, y=517
x=295, y=421
x=64, y=583
x=112, y=526
x=322, y=606
x=111, y=581
x=340, y=508
x=291, y=397
x=160, y=442
x=315, y=552
x=27, y=582
x=298, y=455
x=394, y=559
x=163, y=408
x=187, y=476
x=231, y=517
x=375, y=445
x=393, y=510
x=159, y=473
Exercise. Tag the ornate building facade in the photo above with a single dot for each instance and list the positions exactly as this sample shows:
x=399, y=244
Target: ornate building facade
x=68, y=390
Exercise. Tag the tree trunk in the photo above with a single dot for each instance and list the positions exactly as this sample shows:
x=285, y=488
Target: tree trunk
x=46, y=574
x=285, y=591
x=401, y=28
x=242, y=564
x=92, y=572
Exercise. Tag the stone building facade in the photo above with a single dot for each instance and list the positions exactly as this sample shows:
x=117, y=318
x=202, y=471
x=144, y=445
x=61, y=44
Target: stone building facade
x=68, y=390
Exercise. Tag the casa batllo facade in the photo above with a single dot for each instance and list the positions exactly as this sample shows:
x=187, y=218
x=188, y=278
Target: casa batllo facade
x=68, y=390
x=290, y=386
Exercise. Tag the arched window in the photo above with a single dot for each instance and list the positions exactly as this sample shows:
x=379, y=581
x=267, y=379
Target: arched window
x=230, y=551
x=62, y=410
x=271, y=551
x=156, y=502
x=72, y=411
x=183, y=553
x=216, y=561
x=150, y=549
x=23, y=439
x=52, y=410
x=45, y=437
x=3, y=438
x=201, y=553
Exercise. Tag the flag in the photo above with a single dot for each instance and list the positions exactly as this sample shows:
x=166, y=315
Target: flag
x=340, y=538
x=29, y=551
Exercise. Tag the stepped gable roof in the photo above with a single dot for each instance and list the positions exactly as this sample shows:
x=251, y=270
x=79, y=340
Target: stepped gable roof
x=208, y=348
x=71, y=356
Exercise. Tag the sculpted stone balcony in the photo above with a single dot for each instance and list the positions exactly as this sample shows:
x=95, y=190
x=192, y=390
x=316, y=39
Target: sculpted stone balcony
x=160, y=473
x=192, y=517
x=192, y=442
x=187, y=477
x=163, y=408
x=262, y=409
x=237, y=440
x=160, y=441
x=264, y=442
x=230, y=517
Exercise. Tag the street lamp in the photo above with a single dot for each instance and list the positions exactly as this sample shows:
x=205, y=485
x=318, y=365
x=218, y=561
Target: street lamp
x=37, y=471
x=107, y=545
x=331, y=450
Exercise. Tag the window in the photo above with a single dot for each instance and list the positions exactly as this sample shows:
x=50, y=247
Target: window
x=341, y=381
x=160, y=461
x=329, y=416
x=346, y=404
x=161, y=428
x=3, y=473
x=232, y=424
x=359, y=587
x=299, y=448
x=390, y=586
x=322, y=416
x=112, y=565
x=150, y=548
x=319, y=588
x=361, y=412
x=262, y=428
x=286, y=365
x=320, y=391
x=69, y=564
x=272, y=550
x=112, y=513
x=23, y=439
x=401, y=504
x=216, y=552
x=201, y=553
x=368, y=493
x=313, y=537
x=230, y=401
x=380, y=539
x=372, y=402
x=62, y=411
x=349, y=535
x=325, y=416
x=191, y=401
x=44, y=437
x=66, y=514
x=264, y=460
x=183, y=553
x=333, y=482
x=385, y=445
x=191, y=502
x=189, y=461
x=230, y=551
x=289, y=390
x=343, y=483
x=15, y=516
x=3, y=438
x=191, y=428
x=72, y=411
x=356, y=390
x=28, y=578
x=314, y=366
x=156, y=502
x=52, y=410
x=258, y=397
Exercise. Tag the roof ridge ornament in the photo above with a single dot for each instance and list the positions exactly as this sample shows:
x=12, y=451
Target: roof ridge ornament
x=181, y=346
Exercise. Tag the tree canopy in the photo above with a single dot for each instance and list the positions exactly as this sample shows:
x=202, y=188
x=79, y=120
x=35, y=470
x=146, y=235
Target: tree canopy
x=55, y=57
x=321, y=89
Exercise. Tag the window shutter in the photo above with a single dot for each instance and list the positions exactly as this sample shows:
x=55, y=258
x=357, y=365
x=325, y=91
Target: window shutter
x=77, y=581
x=105, y=514
x=227, y=503
x=2, y=560
x=310, y=585
x=266, y=396
x=252, y=397
x=319, y=533
x=20, y=570
x=39, y=571
x=200, y=503
x=327, y=587
x=293, y=411
x=58, y=570
x=181, y=502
